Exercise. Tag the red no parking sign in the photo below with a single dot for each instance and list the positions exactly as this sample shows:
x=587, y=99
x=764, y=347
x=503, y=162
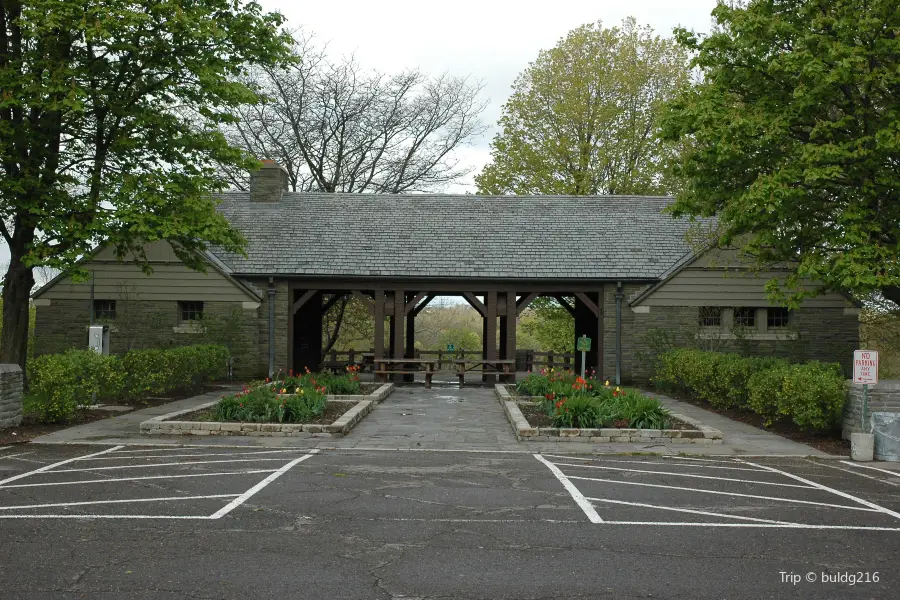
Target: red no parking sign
x=865, y=366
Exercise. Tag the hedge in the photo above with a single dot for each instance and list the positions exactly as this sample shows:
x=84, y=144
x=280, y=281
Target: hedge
x=59, y=383
x=810, y=394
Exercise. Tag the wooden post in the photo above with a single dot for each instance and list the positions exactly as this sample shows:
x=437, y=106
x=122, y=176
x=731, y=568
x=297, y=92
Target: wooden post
x=550, y=359
x=491, y=346
x=440, y=354
x=511, y=333
x=397, y=329
x=351, y=356
x=410, y=331
x=379, y=324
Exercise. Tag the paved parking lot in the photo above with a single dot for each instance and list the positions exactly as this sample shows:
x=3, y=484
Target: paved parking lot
x=224, y=522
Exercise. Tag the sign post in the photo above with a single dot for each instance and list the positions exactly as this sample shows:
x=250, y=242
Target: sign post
x=451, y=348
x=583, y=345
x=865, y=371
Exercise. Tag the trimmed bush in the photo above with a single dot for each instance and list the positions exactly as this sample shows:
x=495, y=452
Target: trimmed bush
x=60, y=383
x=811, y=395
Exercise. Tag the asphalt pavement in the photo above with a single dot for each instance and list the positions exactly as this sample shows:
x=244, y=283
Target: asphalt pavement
x=122, y=522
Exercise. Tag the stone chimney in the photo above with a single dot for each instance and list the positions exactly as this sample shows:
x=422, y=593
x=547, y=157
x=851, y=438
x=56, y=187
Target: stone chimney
x=268, y=183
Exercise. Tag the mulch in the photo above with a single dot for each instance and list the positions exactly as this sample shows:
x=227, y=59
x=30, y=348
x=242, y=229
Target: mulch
x=332, y=412
x=829, y=442
x=30, y=428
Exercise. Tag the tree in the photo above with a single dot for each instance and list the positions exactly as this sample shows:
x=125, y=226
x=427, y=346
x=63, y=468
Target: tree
x=109, y=116
x=793, y=139
x=582, y=118
x=549, y=325
x=338, y=128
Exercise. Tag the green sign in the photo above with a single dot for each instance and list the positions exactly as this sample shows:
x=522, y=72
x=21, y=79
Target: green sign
x=451, y=348
x=583, y=344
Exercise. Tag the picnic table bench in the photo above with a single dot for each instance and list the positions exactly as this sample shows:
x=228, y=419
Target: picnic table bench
x=504, y=366
x=398, y=366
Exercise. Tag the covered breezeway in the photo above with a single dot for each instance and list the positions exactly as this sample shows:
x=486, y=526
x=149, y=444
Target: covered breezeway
x=394, y=304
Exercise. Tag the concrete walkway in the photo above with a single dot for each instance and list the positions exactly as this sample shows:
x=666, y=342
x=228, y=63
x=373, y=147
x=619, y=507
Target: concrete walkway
x=442, y=418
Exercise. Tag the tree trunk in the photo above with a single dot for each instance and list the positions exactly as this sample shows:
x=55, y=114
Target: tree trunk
x=332, y=338
x=16, y=291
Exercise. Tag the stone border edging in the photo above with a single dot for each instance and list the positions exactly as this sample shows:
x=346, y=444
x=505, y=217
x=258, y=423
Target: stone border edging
x=360, y=407
x=525, y=432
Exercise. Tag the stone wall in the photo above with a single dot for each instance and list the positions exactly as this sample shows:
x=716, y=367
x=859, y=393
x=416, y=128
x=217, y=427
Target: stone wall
x=883, y=397
x=825, y=334
x=152, y=324
x=10, y=395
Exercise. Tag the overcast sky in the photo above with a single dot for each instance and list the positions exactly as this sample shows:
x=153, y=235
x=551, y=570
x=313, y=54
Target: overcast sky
x=490, y=40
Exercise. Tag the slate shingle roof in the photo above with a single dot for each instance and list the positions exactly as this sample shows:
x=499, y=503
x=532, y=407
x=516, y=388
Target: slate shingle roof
x=456, y=236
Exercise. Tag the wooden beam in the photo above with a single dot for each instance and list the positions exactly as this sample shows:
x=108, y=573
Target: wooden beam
x=412, y=303
x=424, y=303
x=565, y=304
x=511, y=328
x=588, y=302
x=367, y=302
x=303, y=300
x=476, y=303
x=490, y=347
x=524, y=302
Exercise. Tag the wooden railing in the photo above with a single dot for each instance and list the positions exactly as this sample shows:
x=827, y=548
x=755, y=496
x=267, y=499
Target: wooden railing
x=535, y=360
x=337, y=359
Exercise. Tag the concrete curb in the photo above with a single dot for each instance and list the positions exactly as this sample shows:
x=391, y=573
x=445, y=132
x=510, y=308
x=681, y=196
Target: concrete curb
x=704, y=434
x=358, y=407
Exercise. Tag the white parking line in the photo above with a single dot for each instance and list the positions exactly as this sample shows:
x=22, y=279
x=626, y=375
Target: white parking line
x=648, y=462
x=859, y=466
x=790, y=485
x=579, y=498
x=168, y=464
x=686, y=510
x=170, y=498
x=886, y=511
x=15, y=455
x=57, y=464
x=852, y=472
x=716, y=492
x=120, y=457
x=256, y=488
x=761, y=525
x=114, y=480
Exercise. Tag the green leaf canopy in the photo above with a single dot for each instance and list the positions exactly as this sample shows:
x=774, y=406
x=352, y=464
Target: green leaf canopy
x=793, y=138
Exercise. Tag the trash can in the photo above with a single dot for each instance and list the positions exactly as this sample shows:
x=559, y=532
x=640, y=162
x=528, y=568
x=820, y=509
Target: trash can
x=886, y=427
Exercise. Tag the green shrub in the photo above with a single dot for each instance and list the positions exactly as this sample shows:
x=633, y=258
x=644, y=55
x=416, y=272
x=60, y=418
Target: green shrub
x=264, y=404
x=345, y=384
x=59, y=383
x=811, y=395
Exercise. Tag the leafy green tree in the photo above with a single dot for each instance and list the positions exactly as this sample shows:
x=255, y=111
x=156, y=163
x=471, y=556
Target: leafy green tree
x=109, y=130
x=549, y=326
x=582, y=118
x=793, y=139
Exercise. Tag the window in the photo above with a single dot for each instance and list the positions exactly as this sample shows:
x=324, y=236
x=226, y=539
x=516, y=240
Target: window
x=104, y=309
x=190, y=311
x=777, y=317
x=710, y=316
x=745, y=317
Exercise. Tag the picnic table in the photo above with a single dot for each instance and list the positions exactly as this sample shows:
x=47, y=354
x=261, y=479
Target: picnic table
x=399, y=366
x=504, y=366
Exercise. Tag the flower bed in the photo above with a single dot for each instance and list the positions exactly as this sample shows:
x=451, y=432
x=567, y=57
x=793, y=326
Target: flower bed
x=562, y=405
x=306, y=410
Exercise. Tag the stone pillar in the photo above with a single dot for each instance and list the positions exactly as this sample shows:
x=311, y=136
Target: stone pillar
x=10, y=395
